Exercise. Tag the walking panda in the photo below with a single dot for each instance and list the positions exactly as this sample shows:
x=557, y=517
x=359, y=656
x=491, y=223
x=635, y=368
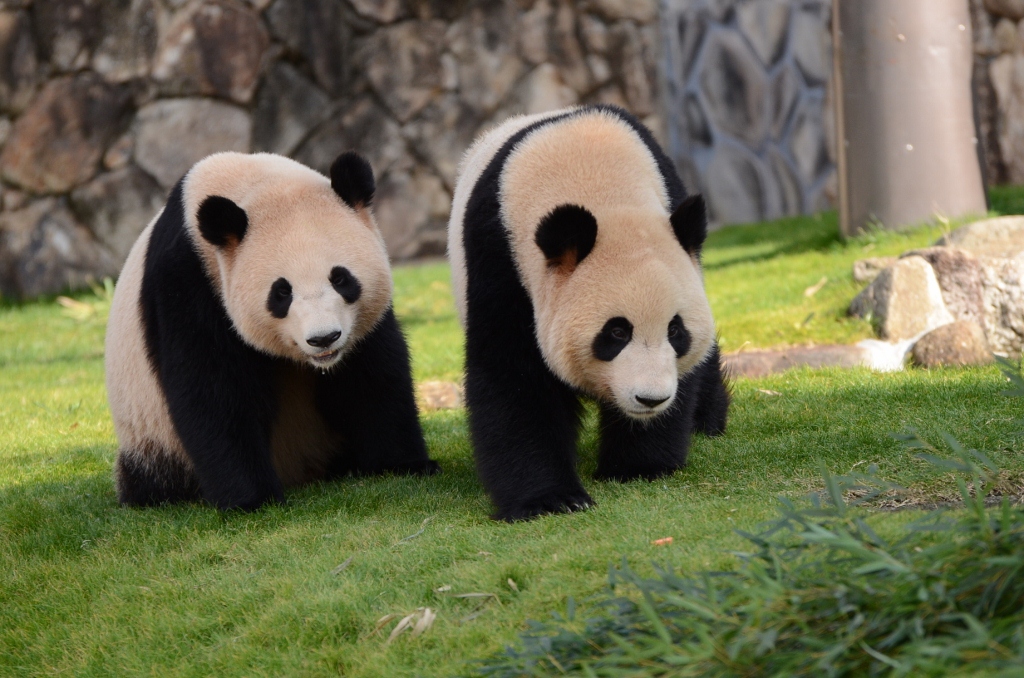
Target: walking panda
x=251, y=344
x=576, y=270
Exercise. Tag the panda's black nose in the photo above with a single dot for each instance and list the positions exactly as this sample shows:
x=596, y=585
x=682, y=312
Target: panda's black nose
x=651, y=402
x=324, y=340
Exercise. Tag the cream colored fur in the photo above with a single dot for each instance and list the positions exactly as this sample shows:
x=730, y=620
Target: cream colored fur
x=298, y=229
x=637, y=269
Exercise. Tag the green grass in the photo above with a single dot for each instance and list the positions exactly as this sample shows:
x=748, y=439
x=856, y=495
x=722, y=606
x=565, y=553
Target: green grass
x=89, y=588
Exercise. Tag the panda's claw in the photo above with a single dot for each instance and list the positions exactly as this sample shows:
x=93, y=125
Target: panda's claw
x=546, y=505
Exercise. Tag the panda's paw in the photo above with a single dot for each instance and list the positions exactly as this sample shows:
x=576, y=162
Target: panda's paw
x=422, y=467
x=555, y=502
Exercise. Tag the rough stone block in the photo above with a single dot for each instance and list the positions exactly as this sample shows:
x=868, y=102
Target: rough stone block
x=288, y=106
x=641, y=11
x=866, y=270
x=19, y=68
x=364, y=127
x=116, y=207
x=403, y=65
x=44, y=250
x=1011, y=9
x=765, y=24
x=173, y=134
x=959, y=276
x=381, y=11
x=129, y=39
x=488, y=64
x=59, y=140
x=317, y=30
x=67, y=31
x=959, y=343
x=213, y=48
x=904, y=301
x=999, y=237
x=734, y=86
x=412, y=210
x=1001, y=281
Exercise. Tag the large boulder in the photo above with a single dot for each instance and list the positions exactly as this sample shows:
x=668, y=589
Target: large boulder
x=59, y=141
x=904, y=301
x=288, y=106
x=959, y=276
x=999, y=237
x=174, y=134
x=1004, y=304
x=317, y=30
x=959, y=343
x=866, y=270
x=19, y=67
x=214, y=48
x=43, y=250
x=403, y=65
x=116, y=206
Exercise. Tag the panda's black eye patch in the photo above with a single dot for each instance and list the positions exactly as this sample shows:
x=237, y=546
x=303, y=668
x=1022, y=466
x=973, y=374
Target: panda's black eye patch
x=612, y=338
x=280, y=298
x=678, y=336
x=345, y=284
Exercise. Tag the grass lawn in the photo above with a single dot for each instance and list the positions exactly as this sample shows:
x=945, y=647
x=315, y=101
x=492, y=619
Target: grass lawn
x=89, y=588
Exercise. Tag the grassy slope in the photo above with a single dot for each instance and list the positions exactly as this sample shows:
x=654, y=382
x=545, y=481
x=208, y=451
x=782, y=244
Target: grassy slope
x=89, y=588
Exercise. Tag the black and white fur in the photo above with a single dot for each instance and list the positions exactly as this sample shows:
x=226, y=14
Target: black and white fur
x=540, y=247
x=251, y=344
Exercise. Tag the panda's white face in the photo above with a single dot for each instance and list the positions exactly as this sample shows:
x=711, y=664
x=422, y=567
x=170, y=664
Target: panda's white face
x=626, y=331
x=312, y=294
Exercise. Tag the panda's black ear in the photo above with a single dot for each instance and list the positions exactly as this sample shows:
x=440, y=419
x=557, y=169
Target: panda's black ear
x=690, y=223
x=221, y=221
x=352, y=180
x=566, y=236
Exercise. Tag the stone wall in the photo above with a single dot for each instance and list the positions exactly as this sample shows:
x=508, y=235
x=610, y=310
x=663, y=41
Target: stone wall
x=748, y=85
x=104, y=104
x=999, y=87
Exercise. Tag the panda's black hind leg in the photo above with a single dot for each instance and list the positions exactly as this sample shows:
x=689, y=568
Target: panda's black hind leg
x=632, y=449
x=144, y=478
x=369, y=400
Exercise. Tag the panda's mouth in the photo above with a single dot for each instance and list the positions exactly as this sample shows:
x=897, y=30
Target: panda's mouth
x=325, y=358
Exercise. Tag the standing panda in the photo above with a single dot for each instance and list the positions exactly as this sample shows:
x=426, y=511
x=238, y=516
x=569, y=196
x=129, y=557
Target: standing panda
x=576, y=269
x=251, y=344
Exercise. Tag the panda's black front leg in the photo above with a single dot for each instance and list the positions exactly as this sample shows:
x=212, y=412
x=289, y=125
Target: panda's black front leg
x=524, y=423
x=369, y=400
x=222, y=404
x=632, y=449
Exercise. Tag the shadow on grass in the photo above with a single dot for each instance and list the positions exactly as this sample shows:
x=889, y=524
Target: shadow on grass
x=793, y=235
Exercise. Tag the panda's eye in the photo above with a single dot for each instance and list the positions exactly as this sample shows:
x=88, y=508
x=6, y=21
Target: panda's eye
x=613, y=337
x=345, y=284
x=280, y=298
x=678, y=337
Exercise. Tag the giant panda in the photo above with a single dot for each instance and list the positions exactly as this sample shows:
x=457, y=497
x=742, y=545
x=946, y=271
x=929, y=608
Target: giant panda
x=252, y=345
x=575, y=256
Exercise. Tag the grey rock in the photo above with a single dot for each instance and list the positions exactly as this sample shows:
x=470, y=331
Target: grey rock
x=1004, y=304
x=129, y=39
x=362, y=126
x=807, y=141
x=811, y=46
x=171, y=135
x=1005, y=36
x=403, y=65
x=637, y=81
x=381, y=11
x=734, y=86
x=736, y=186
x=764, y=23
x=19, y=68
x=288, y=106
x=317, y=30
x=214, y=48
x=785, y=95
x=720, y=10
x=959, y=276
x=1011, y=9
x=44, y=250
x=998, y=237
x=533, y=32
x=412, y=209
x=600, y=70
x=904, y=301
x=753, y=364
x=866, y=270
x=687, y=38
x=698, y=129
x=117, y=206
x=120, y=152
x=1006, y=73
x=488, y=65
x=67, y=31
x=442, y=132
x=59, y=140
x=565, y=51
x=641, y=11
x=594, y=33
x=959, y=343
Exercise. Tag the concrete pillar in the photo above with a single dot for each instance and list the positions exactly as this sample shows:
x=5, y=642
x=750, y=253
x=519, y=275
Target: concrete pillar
x=907, y=146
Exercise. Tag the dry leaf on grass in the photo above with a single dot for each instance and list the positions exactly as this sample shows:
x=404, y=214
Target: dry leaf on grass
x=816, y=287
x=341, y=568
x=664, y=541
